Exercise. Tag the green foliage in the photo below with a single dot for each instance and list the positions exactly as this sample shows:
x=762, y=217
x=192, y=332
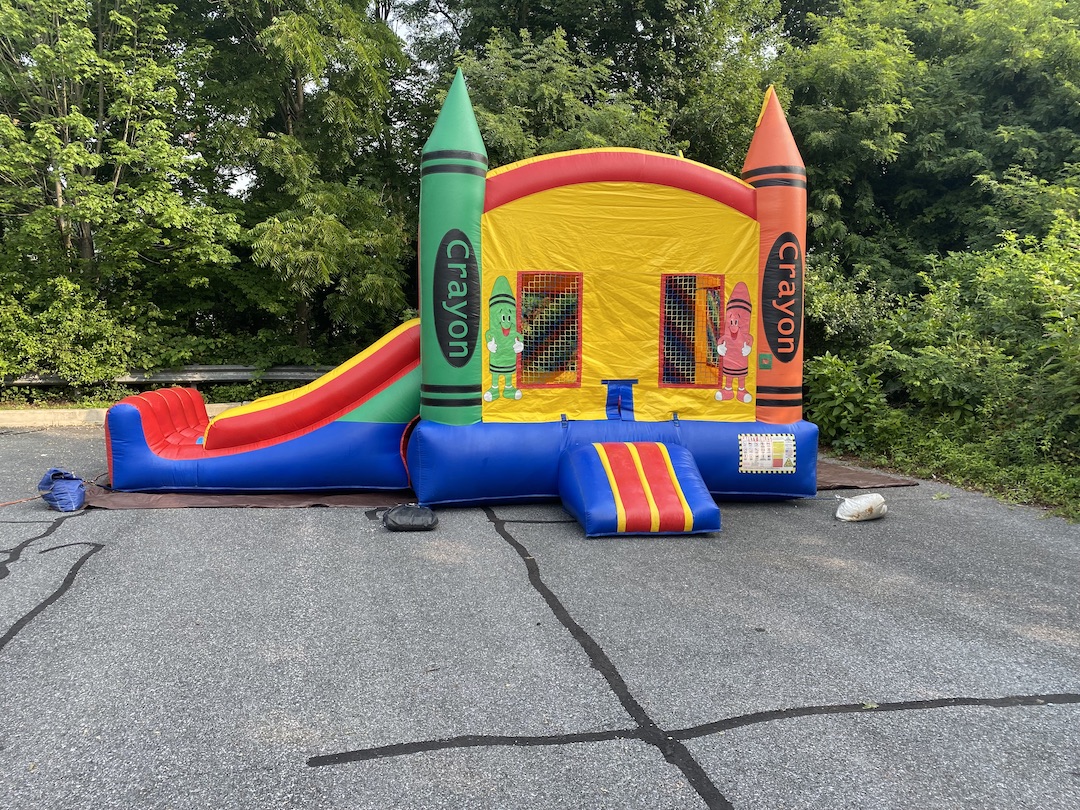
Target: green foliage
x=697, y=68
x=93, y=182
x=541, y=97
x=721, y=59
x=337, y=239
x=995, y=338
x=846, y=403
x=977, y=379
x=1026, y=204
x=918, y=117
x=61, y=329
x=843, y=314
x=293, y=102
x=242, y=392
x=101, y=237
x=949, y=130
x=91, y=396
x=853, y=92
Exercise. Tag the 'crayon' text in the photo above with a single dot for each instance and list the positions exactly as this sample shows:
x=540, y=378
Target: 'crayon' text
x=781, y=294
x=456, y=298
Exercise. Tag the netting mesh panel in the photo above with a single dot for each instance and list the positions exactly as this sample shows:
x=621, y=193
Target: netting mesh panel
x=679, y=330
x=693, y=314
x=550, y=328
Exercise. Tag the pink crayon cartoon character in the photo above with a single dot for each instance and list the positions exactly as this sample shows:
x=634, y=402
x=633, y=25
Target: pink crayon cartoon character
x=734, y=346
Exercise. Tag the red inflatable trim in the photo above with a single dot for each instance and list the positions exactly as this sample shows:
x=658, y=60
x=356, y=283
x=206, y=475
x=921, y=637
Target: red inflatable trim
x=172, y=421
x=627, y=166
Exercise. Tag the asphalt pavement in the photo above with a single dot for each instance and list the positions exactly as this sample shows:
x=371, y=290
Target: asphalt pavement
x=308, y=658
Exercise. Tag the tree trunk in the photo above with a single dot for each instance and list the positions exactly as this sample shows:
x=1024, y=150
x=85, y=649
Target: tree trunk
x=302, y=328
x=63, y=227
x=84, y=235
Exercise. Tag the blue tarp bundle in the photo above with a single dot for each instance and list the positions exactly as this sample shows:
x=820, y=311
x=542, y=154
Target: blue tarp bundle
x=62, y=490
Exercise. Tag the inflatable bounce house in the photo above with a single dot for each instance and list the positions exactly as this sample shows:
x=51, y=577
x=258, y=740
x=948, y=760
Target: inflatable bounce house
x=617, y=328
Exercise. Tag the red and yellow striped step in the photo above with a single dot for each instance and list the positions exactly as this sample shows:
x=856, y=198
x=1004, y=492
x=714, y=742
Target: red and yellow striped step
x=636, y=488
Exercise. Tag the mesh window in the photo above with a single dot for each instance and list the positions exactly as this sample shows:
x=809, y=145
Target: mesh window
x=550, y=328
x=693, y=314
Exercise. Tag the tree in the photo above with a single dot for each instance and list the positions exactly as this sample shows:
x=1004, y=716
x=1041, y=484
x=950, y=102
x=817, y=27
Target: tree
x=1003, y=95
x=699, y=66
x=914, y=114
x=292, y=103
x=95, y=186
x=537, y=98
x=852, y=92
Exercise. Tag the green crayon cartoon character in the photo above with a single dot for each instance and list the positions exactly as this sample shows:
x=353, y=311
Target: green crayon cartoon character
x=503, y=341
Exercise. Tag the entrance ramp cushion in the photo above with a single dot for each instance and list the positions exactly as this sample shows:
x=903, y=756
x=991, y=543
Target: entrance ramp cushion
x=636, y=488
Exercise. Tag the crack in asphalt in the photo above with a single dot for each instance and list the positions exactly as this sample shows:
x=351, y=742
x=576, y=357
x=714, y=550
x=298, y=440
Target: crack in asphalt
x=1011, y=701
x=9, y=557
x=673, y=751
x=645, y=729
x=668, y=742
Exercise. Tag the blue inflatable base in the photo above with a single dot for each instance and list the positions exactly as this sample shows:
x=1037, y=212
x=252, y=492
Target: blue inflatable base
x=338, y=456
x=511, y=463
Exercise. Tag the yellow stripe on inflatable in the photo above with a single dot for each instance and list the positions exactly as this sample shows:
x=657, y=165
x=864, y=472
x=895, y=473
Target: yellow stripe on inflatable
x=620, y=512
x=688, y=514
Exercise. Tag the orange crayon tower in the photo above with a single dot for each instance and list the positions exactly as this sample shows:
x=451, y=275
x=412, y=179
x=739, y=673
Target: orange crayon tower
x=776, y=170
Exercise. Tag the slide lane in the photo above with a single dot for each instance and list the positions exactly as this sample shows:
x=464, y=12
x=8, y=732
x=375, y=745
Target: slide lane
x=365, y=385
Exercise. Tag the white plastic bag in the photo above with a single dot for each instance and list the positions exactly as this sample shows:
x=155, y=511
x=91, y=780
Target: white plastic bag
x=862, y=507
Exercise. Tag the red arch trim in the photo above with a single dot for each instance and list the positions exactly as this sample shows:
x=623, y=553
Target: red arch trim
x=527, y=177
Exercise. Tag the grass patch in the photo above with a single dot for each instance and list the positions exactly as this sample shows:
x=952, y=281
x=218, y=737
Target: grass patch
x=981, y=465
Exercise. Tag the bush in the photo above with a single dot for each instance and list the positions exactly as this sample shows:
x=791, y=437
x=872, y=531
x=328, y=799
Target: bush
x=843, y=315
x=847, y=404
x=59, y=328
x=992, y=346
x=976, y=380
x=244, y=392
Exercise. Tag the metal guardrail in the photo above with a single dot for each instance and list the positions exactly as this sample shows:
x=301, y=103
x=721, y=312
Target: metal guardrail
x=189, y=375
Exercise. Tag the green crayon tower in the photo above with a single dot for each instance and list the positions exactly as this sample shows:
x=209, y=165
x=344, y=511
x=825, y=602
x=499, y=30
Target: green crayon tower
x=453, y=171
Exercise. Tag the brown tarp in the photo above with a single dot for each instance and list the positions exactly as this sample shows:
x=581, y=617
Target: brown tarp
x=101, y=498
x=835, y=475
x=831, y=475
